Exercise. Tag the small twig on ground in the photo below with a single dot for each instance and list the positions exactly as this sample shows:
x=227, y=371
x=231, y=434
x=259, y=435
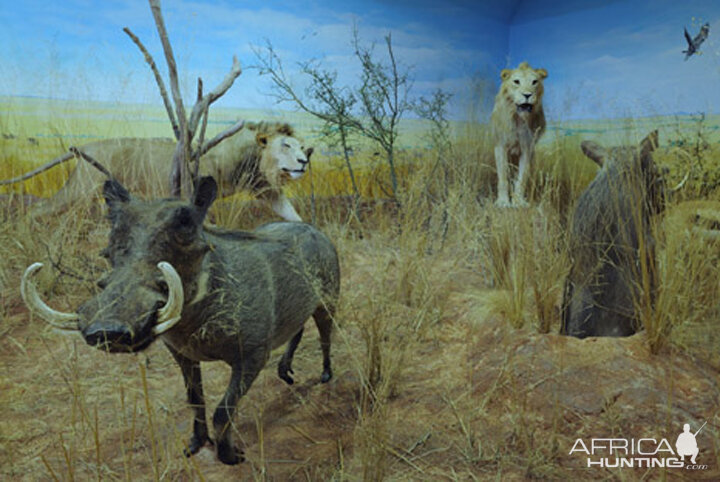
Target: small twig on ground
x=57, y=264
x=402, y=457
x=419, y=442
x=304, y=434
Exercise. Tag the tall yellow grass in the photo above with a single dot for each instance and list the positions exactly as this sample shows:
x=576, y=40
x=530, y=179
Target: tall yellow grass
x=410, y=270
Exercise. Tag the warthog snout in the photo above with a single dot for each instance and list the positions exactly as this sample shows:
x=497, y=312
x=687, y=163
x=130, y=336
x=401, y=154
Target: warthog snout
x=100, y=321
x=114, y=337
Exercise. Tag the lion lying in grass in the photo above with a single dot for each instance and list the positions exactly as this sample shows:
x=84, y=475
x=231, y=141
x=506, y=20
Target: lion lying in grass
x=261, y=159
x=517, y=123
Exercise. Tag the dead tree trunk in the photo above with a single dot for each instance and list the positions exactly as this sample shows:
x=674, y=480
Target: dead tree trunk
x=182, y=178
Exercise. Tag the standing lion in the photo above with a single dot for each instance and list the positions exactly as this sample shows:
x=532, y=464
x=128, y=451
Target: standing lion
x=517, y=123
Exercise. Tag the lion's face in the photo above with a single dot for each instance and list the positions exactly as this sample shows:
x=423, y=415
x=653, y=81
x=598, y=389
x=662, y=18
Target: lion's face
x=284, y=155
x=523, y=87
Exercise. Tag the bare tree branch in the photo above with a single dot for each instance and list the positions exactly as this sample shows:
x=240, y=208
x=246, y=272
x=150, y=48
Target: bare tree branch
x=201, y=138
x=384, y=99
x=284, y=92
x=170, y=59
x=332, y=104
x=80, y=154
x=199, y=90
x=231, y=131
x=182, y=177
x=158, y=79
x=178, y=172
x=203, y=104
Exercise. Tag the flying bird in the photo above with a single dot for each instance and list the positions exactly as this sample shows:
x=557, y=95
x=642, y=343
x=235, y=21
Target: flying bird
x=694, y=43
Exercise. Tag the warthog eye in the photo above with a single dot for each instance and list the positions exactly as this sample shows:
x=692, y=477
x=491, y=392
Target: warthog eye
x=184, y=218
x=183, y=226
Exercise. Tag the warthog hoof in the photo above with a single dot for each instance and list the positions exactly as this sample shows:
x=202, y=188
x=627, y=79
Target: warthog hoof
x=326, y=375
x=229, y=454
x=195, y=444
x=284, y=372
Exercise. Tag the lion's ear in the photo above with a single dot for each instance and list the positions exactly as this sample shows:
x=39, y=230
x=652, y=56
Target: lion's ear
x=285, y=130
x=261, y=138
x=594, y=151
x=542, y=73
x=505, y=74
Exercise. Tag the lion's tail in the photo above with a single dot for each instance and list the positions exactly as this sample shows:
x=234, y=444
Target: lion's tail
x=58, y=160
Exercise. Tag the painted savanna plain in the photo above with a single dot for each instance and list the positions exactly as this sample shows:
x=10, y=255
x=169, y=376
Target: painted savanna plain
x=446, y=356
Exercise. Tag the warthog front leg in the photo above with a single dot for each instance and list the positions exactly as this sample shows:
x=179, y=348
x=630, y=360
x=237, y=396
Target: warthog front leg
x=193, y=384
x=285, y=365
x=244, y=372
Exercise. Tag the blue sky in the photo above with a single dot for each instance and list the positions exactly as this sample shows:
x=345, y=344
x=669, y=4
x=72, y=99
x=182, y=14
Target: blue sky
x=618, y=59
x=77, y=49
x=625, y=58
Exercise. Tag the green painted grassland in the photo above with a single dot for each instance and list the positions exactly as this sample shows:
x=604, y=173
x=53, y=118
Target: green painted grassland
x=34, y=131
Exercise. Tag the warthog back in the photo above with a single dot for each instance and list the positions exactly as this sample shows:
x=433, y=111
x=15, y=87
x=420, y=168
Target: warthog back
x=611, y=243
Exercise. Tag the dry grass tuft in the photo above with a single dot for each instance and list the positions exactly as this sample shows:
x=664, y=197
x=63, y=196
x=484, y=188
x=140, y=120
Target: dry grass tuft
x=446, y=365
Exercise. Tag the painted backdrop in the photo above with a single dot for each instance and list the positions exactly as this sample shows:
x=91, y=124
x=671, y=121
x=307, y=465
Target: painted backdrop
x=606, y=58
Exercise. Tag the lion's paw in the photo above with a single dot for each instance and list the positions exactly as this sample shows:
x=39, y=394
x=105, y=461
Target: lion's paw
x=503, y=202
x=520, y=203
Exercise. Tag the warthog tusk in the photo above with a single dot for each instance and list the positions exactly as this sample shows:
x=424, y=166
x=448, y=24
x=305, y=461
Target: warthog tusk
x=58, y=319
x=170, y=314
x=682, y=183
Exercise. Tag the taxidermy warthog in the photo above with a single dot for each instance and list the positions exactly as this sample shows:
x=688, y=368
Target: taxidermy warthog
x=611, y=242
x=231, y=296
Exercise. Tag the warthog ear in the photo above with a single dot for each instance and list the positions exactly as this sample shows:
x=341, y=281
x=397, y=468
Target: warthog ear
x=647, y=146
x=205, y=194
x=115, y=192
x=594, y=151
x=650, y=142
